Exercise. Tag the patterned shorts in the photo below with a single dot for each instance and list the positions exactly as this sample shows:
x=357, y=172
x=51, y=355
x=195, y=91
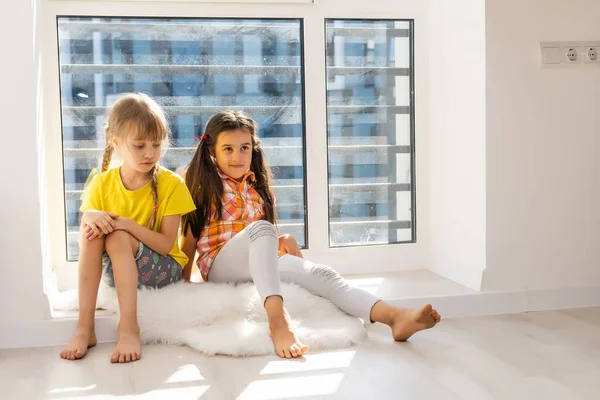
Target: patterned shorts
x=154, y=270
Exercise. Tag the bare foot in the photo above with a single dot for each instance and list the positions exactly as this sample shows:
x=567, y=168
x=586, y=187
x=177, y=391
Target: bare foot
x=285, y=341
x=82, y=340
x=406, y=323
x=129, y=345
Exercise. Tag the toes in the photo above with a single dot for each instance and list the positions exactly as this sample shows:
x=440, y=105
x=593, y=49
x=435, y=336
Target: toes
x=280, y=353
x=304, y=348
x=128, y=357
x=121, y=358
x=295, y=353
x=299, y=349
x=287, y=353
x=114, y=358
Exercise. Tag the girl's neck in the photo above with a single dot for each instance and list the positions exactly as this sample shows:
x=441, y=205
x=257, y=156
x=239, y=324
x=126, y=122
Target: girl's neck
x=132, y=179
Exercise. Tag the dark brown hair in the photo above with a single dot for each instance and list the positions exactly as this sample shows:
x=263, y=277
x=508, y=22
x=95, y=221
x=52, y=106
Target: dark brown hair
x=202, y=177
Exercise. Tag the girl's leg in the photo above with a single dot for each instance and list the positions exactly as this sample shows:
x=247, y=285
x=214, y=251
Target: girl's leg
x=324, y=281
x=251, y=255
x=90, y=270
x=122, y=248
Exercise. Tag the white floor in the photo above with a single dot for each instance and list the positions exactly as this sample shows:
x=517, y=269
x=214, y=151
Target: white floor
x=546, y=355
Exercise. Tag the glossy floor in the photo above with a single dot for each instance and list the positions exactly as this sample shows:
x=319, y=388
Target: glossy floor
x=545, y=355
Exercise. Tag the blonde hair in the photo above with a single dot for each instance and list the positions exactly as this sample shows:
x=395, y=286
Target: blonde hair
x=136, y=113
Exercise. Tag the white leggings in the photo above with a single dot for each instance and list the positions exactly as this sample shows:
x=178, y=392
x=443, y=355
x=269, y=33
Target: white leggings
x=251, y=255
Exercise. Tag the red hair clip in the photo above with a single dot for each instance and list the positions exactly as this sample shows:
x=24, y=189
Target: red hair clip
x=204, y=137
x=155, y=207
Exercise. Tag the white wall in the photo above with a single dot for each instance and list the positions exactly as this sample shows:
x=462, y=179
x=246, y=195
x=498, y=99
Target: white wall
x=513, y=161
x=457, y=139
x=543, y=176
x=21, y=291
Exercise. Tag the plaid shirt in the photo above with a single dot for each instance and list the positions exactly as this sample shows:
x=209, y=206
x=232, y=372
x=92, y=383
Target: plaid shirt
x=242, y=205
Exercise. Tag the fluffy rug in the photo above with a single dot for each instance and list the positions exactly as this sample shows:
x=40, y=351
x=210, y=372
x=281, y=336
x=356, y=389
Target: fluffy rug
x=229, y=319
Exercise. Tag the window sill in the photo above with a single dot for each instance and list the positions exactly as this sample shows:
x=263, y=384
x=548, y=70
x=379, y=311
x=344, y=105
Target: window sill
x=395, y=287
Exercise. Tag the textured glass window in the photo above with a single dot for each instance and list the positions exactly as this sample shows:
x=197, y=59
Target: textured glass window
x=193, y=68
x=370, y=131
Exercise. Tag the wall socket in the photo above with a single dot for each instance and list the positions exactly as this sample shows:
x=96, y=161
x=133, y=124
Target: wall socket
x=591, y=54
x=565, y=54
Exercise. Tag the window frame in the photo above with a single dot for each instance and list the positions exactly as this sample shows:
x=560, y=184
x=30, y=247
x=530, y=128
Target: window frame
x=411, y=127
x=347, y=260
x=303, y=116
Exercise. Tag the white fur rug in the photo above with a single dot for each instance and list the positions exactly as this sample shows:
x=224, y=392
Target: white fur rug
x=229, y=319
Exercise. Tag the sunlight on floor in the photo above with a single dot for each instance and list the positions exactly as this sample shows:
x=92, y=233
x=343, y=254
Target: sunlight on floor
x=288, y=388
x=193, y=392
x=187, y=373
x=312, y=362
x=170, y=393
x=72, y=389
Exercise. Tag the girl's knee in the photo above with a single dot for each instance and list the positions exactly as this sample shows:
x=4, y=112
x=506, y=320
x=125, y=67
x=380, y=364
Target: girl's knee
x=120, y=240
x=94, y=243
x=325, y=272
x=261, y=228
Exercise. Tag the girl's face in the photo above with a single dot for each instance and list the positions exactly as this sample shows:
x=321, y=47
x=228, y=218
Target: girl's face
x=233, y=152
x=140, y=155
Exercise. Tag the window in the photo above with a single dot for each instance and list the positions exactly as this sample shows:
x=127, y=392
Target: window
x=333, y=85
x=370, y=132
x=193, y=68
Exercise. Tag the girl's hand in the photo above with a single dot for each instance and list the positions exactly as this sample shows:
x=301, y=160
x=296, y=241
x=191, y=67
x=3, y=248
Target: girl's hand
x=119, y=223
x=122, y=224
x=289, y=245
x=98, y=223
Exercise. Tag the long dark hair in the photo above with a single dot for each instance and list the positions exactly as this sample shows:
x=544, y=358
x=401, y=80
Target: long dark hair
x=202, y=177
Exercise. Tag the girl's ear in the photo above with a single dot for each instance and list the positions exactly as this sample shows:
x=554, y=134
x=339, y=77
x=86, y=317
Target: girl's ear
x=115, y=142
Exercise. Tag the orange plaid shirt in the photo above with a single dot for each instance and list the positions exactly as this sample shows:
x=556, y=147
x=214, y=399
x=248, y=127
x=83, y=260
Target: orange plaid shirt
x=242, y=205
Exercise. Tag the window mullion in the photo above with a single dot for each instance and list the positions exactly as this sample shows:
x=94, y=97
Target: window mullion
x=316, y=138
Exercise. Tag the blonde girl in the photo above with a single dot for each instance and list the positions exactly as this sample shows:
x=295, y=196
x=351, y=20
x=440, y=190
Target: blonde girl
x=128, y=232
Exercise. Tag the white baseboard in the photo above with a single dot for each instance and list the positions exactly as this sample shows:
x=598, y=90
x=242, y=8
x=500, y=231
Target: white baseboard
x=558, y=299
x=507, y=302
x=53, y=332
x=57, y=331
x=468, y=304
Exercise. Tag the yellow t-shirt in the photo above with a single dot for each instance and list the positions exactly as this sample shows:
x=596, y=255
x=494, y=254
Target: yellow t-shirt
x=106, y=192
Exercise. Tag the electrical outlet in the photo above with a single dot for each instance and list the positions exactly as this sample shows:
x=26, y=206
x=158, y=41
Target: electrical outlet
x=571, y=54
x=591, y=54
x=576, y=54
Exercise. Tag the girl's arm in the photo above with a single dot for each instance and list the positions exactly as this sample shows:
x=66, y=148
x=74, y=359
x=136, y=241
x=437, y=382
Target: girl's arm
x=188, y=246
x=161, y=242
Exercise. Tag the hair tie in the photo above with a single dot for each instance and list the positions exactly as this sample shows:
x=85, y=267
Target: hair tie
x=155, y=207
x=204, y=137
